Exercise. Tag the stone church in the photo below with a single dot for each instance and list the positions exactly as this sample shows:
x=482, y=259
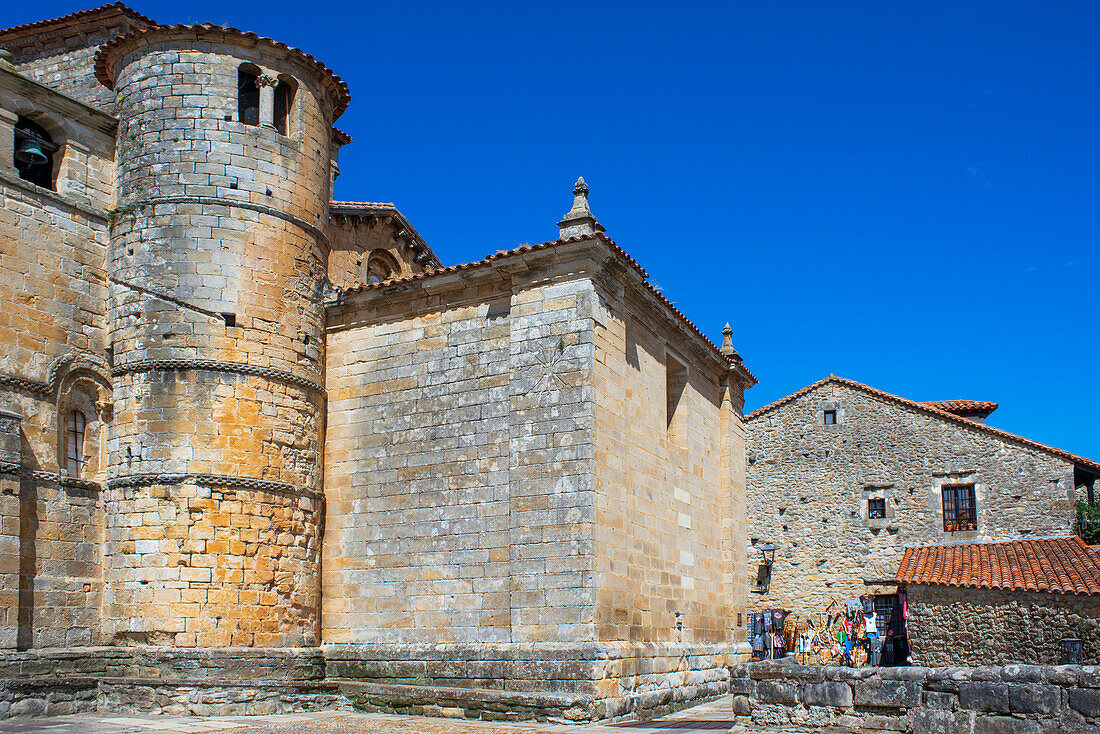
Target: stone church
x=257, y=440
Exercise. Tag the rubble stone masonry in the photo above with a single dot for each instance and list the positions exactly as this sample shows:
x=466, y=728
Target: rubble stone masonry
x=951, y=626
x=810, y=485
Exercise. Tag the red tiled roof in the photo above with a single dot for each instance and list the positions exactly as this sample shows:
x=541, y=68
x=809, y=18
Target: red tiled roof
x=929, y=409
x=335, y=85
x=522, y=249
x=80, y=15
x=960, y=407
x=1057, y=565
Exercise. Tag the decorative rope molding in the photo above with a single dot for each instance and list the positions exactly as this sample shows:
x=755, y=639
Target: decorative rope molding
x=212, y=480
x=213, y=365
x=219, y=201
x=29, y=385
x=7, y=467
x=36, y=386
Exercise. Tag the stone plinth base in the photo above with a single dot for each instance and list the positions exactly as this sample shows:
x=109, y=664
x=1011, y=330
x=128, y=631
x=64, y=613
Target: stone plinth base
x=570, y=682
x=576, y=682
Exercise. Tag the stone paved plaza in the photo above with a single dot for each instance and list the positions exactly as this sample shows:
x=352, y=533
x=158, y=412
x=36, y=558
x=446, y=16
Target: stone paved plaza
x=716, y=716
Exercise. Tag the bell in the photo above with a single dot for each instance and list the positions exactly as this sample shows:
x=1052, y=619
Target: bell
x=30, y=153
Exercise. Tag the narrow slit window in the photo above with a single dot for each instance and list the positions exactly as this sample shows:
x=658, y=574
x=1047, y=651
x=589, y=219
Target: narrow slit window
x=284, y=104
x=675, y=382
x=74, y=443
x=960, y=511
x=830, y=417
x=876, y=508
x=230, y=319
x=248, y=95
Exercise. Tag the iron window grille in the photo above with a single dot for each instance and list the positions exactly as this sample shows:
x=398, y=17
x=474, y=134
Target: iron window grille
x=960, y=510
x=74, y=434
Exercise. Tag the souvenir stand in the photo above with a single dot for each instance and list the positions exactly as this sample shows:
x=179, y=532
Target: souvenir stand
x=854, y=631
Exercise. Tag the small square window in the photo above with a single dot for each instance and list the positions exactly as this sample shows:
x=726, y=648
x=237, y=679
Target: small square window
x=876, y=508
x=960, y=511
x=830, y=417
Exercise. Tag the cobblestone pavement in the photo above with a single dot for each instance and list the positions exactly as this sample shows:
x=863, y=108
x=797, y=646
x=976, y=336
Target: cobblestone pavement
x=716, y=716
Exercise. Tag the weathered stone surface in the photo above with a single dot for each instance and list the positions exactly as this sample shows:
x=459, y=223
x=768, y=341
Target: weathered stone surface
x=1085, y=701
x=830, y=693
x=887, y=694
x=1034, y=699
x=742, y=706
x=1004, y=725
x=811, y=483
x=771, y=691
x=985, y=697
x=938, y=721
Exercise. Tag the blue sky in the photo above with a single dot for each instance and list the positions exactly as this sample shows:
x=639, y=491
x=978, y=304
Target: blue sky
x=903, y=193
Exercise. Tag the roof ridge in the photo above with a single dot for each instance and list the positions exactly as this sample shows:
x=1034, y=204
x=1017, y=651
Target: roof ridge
x=522, y=249
x=933, y=410
x=121, y=7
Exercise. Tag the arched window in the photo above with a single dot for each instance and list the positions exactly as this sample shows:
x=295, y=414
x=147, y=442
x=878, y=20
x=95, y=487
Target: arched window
x=74, y=443
x=248, y=94
x=34, y=149
x=284, y=104
x=379, y=268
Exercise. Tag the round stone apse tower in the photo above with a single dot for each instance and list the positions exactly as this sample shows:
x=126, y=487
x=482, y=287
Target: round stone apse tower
x=218, y=255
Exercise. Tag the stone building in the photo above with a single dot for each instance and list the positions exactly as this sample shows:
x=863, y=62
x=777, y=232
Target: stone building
x=251, y=434
x=843, y=478
x=997, y=603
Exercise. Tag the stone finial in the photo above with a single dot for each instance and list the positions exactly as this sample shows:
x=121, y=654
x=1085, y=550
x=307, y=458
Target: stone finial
x=578, y=221
x=727, y=345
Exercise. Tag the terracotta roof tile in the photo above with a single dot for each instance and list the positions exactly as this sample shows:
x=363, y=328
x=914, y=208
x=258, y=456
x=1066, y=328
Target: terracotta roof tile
x=930, y=409
x=960, y=407
x=335, y=85
x=80, y=15
x=522, y=249
x=1055, y=565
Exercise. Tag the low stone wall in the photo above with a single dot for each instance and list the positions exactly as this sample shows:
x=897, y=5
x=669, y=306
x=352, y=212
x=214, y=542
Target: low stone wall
x=574, y=682
x=950, y=626
x=165, y=680
x=581, y=682
x=1013, y=699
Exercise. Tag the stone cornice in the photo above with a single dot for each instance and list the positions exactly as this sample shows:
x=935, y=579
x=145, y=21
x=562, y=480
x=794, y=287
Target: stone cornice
x=68, y=107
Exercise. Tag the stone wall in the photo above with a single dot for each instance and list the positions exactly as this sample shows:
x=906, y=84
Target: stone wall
x=810, y=484
x=53, y=346
x=950, y=626
x=1014, y=699
x=664, y=503
x=376, y=231
x=61, y=54
x=217, y=256
x=458, y=464
x=477, y=504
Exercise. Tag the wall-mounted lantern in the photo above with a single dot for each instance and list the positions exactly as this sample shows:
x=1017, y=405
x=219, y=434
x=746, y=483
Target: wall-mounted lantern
x=768, y=551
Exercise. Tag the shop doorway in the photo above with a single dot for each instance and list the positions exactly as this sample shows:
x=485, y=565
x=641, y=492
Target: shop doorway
x=894, y=643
